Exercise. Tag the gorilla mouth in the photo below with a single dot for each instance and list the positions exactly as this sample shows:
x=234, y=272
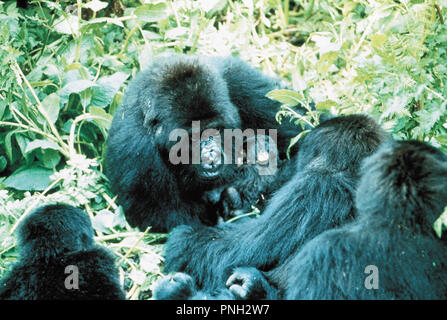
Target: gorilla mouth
x=210, y=168
x=209, y=174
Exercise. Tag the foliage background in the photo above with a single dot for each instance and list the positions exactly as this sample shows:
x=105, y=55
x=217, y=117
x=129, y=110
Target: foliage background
x=65, y=64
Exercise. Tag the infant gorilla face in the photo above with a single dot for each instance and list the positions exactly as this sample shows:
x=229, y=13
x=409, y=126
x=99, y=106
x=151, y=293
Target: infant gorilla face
x=261, y=151
x=258, y=150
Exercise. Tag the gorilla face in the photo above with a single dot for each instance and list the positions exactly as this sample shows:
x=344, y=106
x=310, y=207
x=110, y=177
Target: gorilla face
x=262, y=152
x=199, y=160
x=190, y=101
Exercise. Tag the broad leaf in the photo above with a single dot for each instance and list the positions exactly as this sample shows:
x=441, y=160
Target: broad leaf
x=31, y=179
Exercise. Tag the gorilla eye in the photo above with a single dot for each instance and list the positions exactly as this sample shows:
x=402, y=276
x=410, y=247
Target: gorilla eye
x=156, y=126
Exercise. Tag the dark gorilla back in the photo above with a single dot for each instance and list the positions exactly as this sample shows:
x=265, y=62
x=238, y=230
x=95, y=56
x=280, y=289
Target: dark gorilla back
x=402, y=192
x=220, y=93
x=318, y=197
x=51, y=239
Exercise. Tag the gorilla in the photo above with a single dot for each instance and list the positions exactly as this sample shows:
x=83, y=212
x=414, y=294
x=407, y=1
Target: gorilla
x=251, y=184
x=164, y=103
x=181, y=286
x=403, y=190
x=246, y=283
x=56, y=245
x=317, y=198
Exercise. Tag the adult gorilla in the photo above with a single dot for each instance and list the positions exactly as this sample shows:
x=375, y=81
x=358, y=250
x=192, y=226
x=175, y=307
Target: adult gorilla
x=317, y=198
x=171, y=94
x=389, y=252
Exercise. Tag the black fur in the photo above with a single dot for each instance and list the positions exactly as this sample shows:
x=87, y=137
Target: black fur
x=402, y=192
x=180, y=286
x=173, y=92
x=252, y=184
x=318, y=197
x=50, y=239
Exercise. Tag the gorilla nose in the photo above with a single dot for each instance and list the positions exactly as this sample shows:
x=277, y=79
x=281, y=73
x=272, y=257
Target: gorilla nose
x=211, y=161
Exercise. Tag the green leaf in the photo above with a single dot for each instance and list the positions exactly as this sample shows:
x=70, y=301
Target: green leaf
x=52, y=106
x=31, y=179
x=107, y=87
x=22, y=141
x=8, y=145
x=43, y=144
x=106, y=119
x=325, y=105
x=441, y=223
x=137, y=276
x=114, y=21
x=326, y=61
x=378, y=40
x=294, y=140
x=49, y=158
x=442, y=139
x=69, y=25
x=73, y=66
x=437, y=226
x=75, y=87
x=428, y=118
x=150, y=262
x=96, y=5
x=152, y=12
x=288, y=97
x=177, y=33
x=103, y=221
x=3, y=163
x=212, y=6
x=3, y=105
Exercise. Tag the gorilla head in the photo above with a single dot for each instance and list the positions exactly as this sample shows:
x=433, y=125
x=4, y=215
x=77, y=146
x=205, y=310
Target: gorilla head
x=340, y=143
x=164, y=149
x=59, y=260
x=54, y=229
x=414, y=175
x=403, y=190
x=188, y=95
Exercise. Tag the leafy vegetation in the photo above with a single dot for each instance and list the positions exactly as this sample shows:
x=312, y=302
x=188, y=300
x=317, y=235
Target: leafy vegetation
x=65, y=65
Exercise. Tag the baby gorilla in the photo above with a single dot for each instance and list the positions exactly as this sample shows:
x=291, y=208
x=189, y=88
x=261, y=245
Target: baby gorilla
x=59, y=259
x=259, y=174
x=390, y=251
x=317, y=198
